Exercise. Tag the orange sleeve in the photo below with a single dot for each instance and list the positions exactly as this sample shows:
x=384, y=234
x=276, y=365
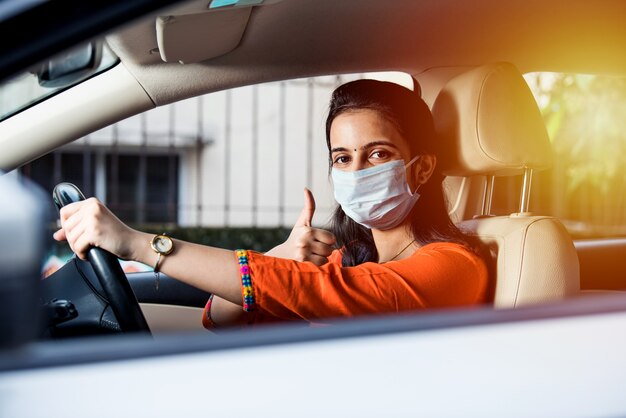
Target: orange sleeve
x=335, y=257
x=436, y=275
x=258, y=317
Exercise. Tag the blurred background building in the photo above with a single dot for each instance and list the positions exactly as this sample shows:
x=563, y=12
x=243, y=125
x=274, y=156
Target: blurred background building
x=238, y=158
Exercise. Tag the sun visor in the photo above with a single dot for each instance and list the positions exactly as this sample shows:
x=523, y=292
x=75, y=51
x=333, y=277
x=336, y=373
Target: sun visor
x=197, y=37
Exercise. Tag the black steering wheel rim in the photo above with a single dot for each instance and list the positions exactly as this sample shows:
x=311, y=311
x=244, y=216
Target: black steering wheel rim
x=107, y=269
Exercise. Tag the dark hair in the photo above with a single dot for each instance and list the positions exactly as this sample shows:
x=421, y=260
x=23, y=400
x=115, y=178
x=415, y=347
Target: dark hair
x=411, y=116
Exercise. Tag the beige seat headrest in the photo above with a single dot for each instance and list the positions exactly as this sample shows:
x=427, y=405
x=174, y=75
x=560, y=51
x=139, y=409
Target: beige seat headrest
x=489, y=124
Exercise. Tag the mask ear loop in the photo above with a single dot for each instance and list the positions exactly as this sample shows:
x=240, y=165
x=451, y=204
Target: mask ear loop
x=407, y=166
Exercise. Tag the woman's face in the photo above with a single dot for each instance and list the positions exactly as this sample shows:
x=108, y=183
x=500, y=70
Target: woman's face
x=363, y=138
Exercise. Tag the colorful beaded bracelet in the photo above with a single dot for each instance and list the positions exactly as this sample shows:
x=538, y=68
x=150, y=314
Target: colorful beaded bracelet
x=246, y=290
x=246, y=281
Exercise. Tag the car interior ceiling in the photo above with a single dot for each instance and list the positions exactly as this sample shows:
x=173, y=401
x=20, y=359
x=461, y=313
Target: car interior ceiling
x=266, y=55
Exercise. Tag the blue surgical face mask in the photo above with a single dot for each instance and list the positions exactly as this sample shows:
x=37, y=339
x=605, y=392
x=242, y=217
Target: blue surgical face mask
x=378, y=197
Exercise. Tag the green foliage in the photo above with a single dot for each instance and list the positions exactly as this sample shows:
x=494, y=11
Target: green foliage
x=586, y=120
x=585, y=117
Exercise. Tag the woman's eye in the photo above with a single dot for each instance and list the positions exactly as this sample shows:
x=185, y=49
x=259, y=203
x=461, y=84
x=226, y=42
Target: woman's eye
x=341, y=159
x=379, y=155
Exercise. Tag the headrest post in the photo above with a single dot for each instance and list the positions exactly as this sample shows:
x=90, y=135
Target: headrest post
x=488, y=195
x=525, y=201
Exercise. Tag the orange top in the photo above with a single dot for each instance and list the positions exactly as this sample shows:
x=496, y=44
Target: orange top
x=434, y=276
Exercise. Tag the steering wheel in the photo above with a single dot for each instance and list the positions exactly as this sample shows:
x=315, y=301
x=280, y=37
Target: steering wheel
x=108, y=271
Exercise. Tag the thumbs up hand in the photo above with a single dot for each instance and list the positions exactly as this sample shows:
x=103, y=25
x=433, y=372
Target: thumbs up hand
x=306, y=243
x=306, y=215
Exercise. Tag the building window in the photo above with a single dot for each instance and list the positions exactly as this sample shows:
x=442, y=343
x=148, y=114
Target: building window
x=139, y=188
x=73, y=167
x=143, y=188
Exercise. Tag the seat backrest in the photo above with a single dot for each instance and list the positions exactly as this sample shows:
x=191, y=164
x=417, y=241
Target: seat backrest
x=535, y=260
x=490, y=125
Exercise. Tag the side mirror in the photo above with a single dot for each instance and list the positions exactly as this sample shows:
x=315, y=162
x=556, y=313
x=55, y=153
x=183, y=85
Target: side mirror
x=71, y=66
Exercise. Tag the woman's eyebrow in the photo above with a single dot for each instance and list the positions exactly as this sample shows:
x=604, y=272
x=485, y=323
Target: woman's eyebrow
x=338, y=149
x=377, y=143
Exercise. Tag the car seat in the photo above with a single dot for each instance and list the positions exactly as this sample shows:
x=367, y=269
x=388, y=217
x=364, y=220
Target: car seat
x=489, y=125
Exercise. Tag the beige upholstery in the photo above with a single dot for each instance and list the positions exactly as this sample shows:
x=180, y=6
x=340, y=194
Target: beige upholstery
x=491, y=119
x=195, y=37
x=489, y=124
x=535, y=260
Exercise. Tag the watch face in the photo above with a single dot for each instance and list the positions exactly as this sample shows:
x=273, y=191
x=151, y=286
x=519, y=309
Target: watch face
x=162, y=244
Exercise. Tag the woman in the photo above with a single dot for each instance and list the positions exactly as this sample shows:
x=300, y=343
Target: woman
x=398, y=249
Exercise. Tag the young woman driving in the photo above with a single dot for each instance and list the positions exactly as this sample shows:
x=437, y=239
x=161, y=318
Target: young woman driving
x=392, y=248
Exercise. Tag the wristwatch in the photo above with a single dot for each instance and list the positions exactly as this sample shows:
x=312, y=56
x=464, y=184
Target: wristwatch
x=162, y=245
